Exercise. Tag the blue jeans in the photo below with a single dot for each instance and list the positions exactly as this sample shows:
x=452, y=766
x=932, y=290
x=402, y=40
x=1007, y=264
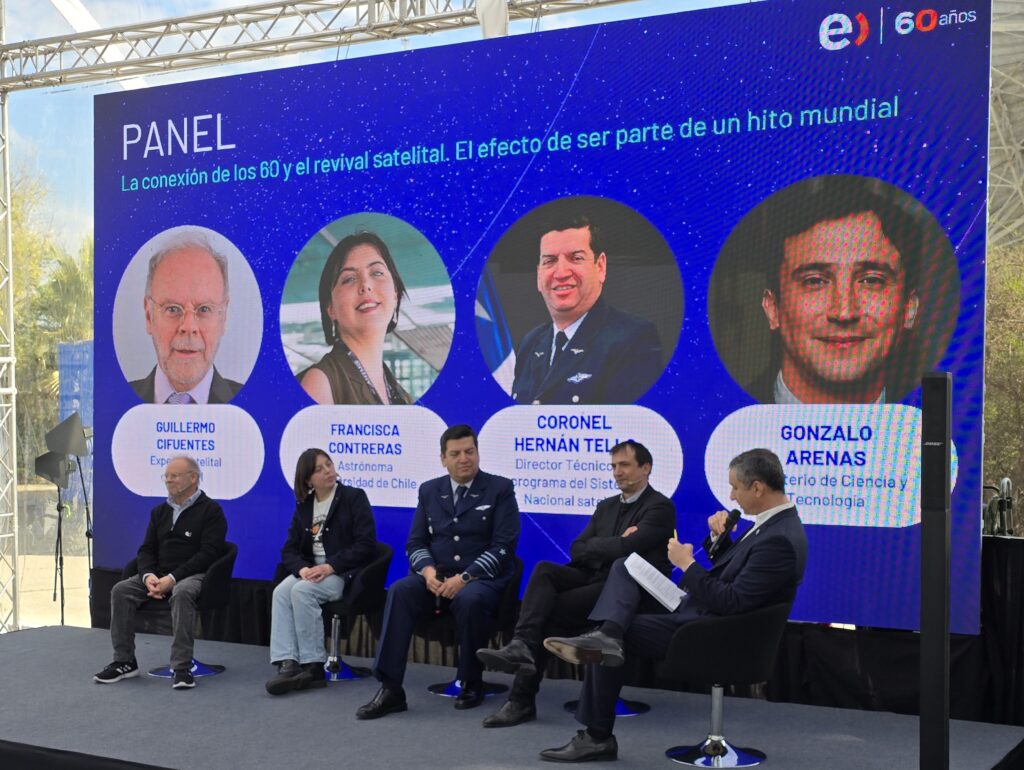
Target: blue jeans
x=296, y=628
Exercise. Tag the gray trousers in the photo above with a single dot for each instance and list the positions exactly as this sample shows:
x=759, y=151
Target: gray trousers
x=128, y=594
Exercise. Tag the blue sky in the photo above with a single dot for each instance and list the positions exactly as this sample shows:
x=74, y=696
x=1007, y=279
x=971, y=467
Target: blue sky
x=51, y=129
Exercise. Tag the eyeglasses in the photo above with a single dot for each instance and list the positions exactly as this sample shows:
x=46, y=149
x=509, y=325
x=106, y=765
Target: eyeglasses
x=174, y=313
x=174, y=476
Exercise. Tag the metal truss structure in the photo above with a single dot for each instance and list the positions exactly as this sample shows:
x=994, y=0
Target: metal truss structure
x=242, y=34
x=8, y=426
x=279, y=28
x=1006, y=132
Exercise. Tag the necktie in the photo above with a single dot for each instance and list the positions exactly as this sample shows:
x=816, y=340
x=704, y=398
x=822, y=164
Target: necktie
x=460, y=492
x=180, y=398
x=561, y=340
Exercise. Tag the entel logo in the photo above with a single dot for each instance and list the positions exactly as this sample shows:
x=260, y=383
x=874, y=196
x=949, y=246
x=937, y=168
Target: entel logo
x=832, y=34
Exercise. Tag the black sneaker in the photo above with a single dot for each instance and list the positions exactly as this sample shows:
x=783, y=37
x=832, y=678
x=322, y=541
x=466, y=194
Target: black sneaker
x=117, y=671
x=183, y=679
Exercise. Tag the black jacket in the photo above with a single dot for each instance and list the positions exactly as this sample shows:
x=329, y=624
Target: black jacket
x=601, y=542
x=187, y=548
x=349, y=538
x=222, y=390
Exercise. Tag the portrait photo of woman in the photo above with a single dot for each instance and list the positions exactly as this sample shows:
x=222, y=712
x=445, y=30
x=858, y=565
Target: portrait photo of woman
x=360, y=295
x=368, y=313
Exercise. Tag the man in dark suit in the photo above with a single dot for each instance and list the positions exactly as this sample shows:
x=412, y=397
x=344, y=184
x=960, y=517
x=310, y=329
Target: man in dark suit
x=763, y=567
x=186, y=306
x=461, y=551
x=185, y=536
x=559, y=597
x=222, y=390
x=591, y=352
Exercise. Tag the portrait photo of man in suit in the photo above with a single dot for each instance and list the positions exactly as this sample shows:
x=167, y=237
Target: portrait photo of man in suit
x=835, y=290
x=186, y=302
x=595, y=263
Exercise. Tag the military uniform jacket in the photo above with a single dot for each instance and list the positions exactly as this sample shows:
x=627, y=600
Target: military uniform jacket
x=479, y=536
x=613, y=358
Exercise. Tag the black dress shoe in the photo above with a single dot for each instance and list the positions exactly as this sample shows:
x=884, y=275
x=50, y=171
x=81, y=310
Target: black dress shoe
x=470, y=696
x=583, y=748
x=386, y=701
x=515, y=657
x=512, y=713
x=591, y=647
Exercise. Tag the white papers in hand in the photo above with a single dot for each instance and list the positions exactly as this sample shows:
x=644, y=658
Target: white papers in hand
x=657, y=585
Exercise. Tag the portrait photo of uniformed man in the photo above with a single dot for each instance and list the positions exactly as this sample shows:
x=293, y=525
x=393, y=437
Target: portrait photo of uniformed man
x=188, y=319
x=835, y=290
x=580, y=303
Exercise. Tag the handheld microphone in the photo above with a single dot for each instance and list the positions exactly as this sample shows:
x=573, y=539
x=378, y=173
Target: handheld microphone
x=730, y=522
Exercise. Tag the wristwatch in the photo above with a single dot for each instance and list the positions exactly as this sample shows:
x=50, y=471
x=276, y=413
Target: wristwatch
x=466, y=577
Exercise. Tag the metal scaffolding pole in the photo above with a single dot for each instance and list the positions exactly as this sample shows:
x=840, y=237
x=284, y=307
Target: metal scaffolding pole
x=243, y=34
x=8, y=424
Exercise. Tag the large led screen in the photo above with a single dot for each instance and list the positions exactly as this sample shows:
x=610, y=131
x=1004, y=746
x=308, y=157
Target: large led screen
x=773, y=216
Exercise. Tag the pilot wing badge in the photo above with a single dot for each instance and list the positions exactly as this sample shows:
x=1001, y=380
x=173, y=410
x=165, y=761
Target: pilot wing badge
x=579, y=377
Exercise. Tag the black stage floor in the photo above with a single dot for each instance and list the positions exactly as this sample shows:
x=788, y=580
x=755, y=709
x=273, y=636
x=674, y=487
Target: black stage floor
x=48, y=700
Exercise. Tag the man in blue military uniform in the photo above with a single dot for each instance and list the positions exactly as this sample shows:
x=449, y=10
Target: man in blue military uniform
x=591, y=352
x=461, y=551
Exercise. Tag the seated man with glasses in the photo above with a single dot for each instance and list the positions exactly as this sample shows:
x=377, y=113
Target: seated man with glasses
x=186, y=306
x=185, y=536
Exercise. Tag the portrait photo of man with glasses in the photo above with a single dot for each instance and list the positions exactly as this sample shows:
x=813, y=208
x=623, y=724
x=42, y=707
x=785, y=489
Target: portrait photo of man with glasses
x=189, y=277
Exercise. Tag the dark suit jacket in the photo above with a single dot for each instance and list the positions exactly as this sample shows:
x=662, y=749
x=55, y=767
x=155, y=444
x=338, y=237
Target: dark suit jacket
x=190, y=547
x=762, y=568
x=601, y=542
x=478, y=537
x=349, y=535
x=221, y=390
x=613, y=358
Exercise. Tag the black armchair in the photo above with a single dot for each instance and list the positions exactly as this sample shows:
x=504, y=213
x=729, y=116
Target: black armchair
x=368, y=596
x=724, y=650
x=214, y=595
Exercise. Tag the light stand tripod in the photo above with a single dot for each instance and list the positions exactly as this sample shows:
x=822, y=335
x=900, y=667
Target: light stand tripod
x=54, y=467
x=68, y=438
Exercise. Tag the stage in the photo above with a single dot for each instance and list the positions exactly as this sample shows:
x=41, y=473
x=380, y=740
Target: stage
x=49, y=700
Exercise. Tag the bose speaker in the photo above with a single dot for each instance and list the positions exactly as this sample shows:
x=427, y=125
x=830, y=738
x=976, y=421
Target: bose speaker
x=936, y=455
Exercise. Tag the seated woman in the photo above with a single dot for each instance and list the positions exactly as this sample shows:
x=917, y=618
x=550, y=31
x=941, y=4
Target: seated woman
x=331, y=536
x=360, y=295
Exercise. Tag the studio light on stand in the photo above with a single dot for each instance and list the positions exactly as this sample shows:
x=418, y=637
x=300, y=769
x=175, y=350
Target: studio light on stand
x=55, y=467
x=72, y=438
x=69, y=439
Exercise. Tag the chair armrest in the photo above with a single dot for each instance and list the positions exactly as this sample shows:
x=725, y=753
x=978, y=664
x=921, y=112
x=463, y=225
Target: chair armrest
x=368, y=583
x=131, y=568
x=216, y=590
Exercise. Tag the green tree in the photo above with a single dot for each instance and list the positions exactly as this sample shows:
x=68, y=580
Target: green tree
x=53, y=303
x=1004, y=366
